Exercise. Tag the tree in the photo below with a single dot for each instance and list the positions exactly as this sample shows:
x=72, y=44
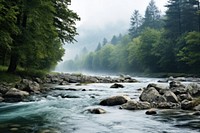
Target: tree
x=98, y=47
x=36, y=31
x=136, y=22
x=152, y=17
x=105, y=41
x=114, y=40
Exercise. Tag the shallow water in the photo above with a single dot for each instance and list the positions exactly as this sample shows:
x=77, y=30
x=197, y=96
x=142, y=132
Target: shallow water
x=51, y=113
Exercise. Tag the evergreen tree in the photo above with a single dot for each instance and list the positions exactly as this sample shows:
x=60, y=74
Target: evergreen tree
x=98, y=47
x=136, y=22
x=105, y=41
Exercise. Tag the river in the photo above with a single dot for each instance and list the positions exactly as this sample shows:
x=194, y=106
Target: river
x=50, y=113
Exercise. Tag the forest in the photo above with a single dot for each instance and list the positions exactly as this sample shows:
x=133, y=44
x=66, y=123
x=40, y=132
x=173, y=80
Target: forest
x=32, y=33
x=153, y=43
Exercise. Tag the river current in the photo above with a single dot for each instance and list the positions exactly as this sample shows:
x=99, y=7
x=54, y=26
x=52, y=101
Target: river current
x=51, y=113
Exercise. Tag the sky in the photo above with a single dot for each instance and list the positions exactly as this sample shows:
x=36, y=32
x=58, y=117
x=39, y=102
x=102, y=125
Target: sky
x=103, y=18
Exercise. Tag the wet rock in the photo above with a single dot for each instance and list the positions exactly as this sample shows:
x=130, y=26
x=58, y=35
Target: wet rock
x=115, y=100
x=171, y=97
x=97, y=111
x=175, y=84
x=3, y=89
x=187, y=105
x=38, y=80
x=15, y=95
x=117, y=86
x=160, y=88
x=135, y=105
x=69, y=96
x=1, y=99
x=163, y=81
x=194, y=89
x=179, y=90
x=151, y=112
x=64, y=83
x=151, y=95
x=182, y=97
x=167, y=105
x=197, y=113
x=197, y=108
x=28, y=85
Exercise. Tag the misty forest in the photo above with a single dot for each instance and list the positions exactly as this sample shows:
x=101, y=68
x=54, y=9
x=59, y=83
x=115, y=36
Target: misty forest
x=154, y=43
x=144, y=80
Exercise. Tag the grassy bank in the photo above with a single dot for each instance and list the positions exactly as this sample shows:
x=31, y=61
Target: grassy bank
x=20, y=73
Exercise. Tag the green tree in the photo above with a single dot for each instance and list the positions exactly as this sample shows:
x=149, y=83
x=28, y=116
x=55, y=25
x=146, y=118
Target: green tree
x=136, y=22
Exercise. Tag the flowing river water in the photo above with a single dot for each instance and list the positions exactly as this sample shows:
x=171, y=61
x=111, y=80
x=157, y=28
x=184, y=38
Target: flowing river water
x=50, y=113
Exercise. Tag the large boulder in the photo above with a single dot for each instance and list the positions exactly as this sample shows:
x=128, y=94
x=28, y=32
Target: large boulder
x=187, y=105
x=28, y=85
x=115, y=100
x=194, y=89
x=151, y=95
x=170, y=97
x=175, y=84
x=135, y=105
x=182, y=97
x=160, y=88
x=15, y=95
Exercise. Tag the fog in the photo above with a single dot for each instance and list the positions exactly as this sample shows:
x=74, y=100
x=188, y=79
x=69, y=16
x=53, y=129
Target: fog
x=103, y=19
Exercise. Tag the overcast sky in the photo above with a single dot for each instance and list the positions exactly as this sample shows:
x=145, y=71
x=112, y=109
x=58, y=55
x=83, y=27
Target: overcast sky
x=103, y=18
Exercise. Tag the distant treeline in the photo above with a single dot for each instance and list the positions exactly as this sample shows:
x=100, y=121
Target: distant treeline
x=32, y=32
x=155, y=43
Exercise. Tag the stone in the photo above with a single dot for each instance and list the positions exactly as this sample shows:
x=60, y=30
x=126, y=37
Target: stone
x=179, y=90
x=151, y=112
x=28, y=85
x=194, y=89
x=117, y=86
x=115, y=100
x=15, y=95
x=197, y=113
x=173, y=84
x=168, y=105
x=151, y=95
x=64, y=83
x=197, y=108
x=97, y=111
x=1, y=99
x=182, y=97
x=187, y=105
x=135, y=105
x=171, y=97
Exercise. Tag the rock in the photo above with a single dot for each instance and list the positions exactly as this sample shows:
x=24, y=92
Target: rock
x=196, y=113
x=182, y=97
x=197, y=108
x=171, y=97
x=115, y=100
x=64, y=83
x=28, y=85
x=3, y=89
x=38, y=80
x=160, y=88
x=173, y=84
x=163, y=81
x=187, y=105
x=151, y=95
x=97, y=111
x=179, y=90
x=15, y=95
x=194, y=89
x=151, y=112
x=1, y=99
x=168, y=105
x=117, y=86
x=135, y=105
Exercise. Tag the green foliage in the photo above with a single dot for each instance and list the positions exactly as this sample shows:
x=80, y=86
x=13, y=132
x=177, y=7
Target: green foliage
x=33, y=32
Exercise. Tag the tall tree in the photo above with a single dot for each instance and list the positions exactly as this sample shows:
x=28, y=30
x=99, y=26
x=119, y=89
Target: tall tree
x=152, y=17
x=136, y=22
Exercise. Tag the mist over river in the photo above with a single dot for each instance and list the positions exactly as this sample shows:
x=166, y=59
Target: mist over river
x=50, y=113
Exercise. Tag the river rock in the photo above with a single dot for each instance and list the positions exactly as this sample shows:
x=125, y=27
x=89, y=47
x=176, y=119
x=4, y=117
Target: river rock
x=151, y=112
x=175, y=84
x=194, y=89
x=97, y=111
x=115, y=100
x=135, y=105
x=197, y=113
x=117, y=86
x=28, y=85
x=179, y=90
x=14, y=95
x=182, y=97
x=1, y=99
x=167, y=105
x=171, y=97
x=151, y=95
x=197, y=108
x=187, y=105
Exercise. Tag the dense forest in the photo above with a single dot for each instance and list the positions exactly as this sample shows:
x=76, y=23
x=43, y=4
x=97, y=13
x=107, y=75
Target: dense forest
x=154, y=43
x=32, y=32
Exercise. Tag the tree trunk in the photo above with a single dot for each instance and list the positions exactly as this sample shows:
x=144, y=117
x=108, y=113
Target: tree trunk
x=13, y=62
